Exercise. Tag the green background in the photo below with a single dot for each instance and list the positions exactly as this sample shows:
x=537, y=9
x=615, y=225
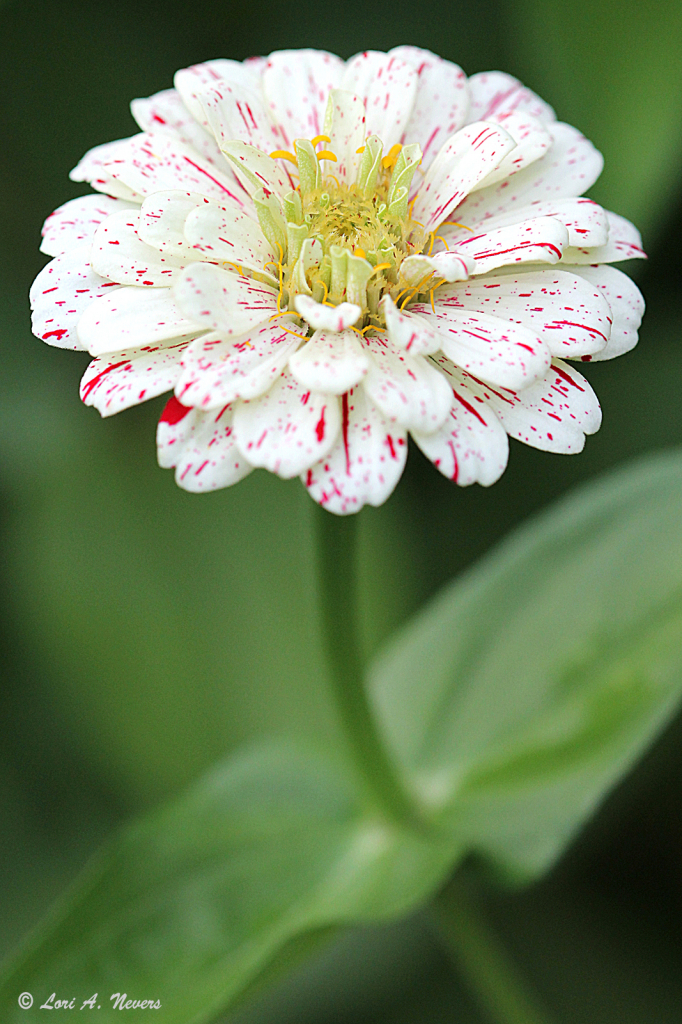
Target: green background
x=146, y=632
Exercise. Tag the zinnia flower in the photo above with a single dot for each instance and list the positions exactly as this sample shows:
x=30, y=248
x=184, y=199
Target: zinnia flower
x=321, y=257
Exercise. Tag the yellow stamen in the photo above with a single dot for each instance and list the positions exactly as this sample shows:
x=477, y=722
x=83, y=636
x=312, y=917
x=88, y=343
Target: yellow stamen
x=433, y=240
x=236, y=267
x=361, y=253
x=284, y=154
x=457, y=225
x=381, y=266
x=326, y=154
x=392, y=156
x=319, y=138
x=441, y=239
x=410, y=205
x=303, y=337
x=361, y=150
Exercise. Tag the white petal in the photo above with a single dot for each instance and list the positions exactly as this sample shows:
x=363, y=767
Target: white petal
x=471, y=446
x=330, y=361
x=504, y=353
x=287, y=429
x=192, y=81
x=162, y=220
x=624, y=243
x=494, y=93
x=532, y=139
x=553, y=414
x=201, y=446
x=296, y=86
x=626, y=304
x=542, y=240
x=366, y=462
x=256, y=170
x=116, y=382
x=465, y=159
x=570, y=315
x=409, y=331
x=388, y=87
x=218, y=232
x=217, y=370
x=585, y=220
x=61, y=293
x=235, y=113
x=131, y=318
x=441, y=104
x=347, y=133
x=91, y=168
x=119, y=254
x=327, y=318
x=157, y=163
x=165, y=113
x=222, y=301
x=76, y=222
x=407, y=389
x=570, y=167
x=449, y=266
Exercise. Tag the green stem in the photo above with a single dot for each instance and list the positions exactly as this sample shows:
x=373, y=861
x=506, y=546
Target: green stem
x=336, y=566
x=482, y=960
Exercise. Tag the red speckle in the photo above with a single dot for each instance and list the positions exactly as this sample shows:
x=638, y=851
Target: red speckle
x=344, y=429
x=56, y=334
x=319, y=428
x=174, y=411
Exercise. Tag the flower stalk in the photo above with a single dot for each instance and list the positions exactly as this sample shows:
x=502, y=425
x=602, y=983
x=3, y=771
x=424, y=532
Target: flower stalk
x=336, y=538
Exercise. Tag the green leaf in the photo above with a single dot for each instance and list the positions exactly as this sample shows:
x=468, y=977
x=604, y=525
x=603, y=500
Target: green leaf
x=191, y=904
x=527, y=688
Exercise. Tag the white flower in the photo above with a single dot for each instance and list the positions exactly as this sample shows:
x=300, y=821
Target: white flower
x=321, y=257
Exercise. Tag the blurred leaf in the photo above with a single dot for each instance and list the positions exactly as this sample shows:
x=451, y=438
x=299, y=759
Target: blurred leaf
x=528, y=687
x=193, y=902
x=613, y=69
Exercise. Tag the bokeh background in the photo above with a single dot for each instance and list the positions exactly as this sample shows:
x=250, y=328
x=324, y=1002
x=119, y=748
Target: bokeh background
x=146, y=632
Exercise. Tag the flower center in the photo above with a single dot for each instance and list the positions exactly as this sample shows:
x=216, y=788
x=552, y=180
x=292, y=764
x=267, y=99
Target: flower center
x=345, y=241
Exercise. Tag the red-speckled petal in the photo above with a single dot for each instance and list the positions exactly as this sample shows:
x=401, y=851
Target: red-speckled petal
x=235, y=113
x=624, y=243
x=532, y=139
x=571, y=315
x=157, y=163
x=130, y=318
x=465, y=159
x=217, y=370
x=296, y=85
x=347, y=133
x=586, y=222
x=471, y=447
x=256, y=170
x=441, y=104
x=287, y=429
x=119, y=254
x=76, y=222
x=220, y=300
x=365, y=463
x=388, y=87
x=162, y=221
x=117, y=382
x=406, y=388
x=494, y=93
x=218, y=232
x=626, y=304
x=61, y=293
x=193, y=81
x=91, y=168
x=201, y=446
x=448, y=266
x=165, y=113
x=503, y=353
x=327, y=318
x=409, y=331
x=568, y=169
x=554, y=414
x=331, y=362
x=541, y=240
